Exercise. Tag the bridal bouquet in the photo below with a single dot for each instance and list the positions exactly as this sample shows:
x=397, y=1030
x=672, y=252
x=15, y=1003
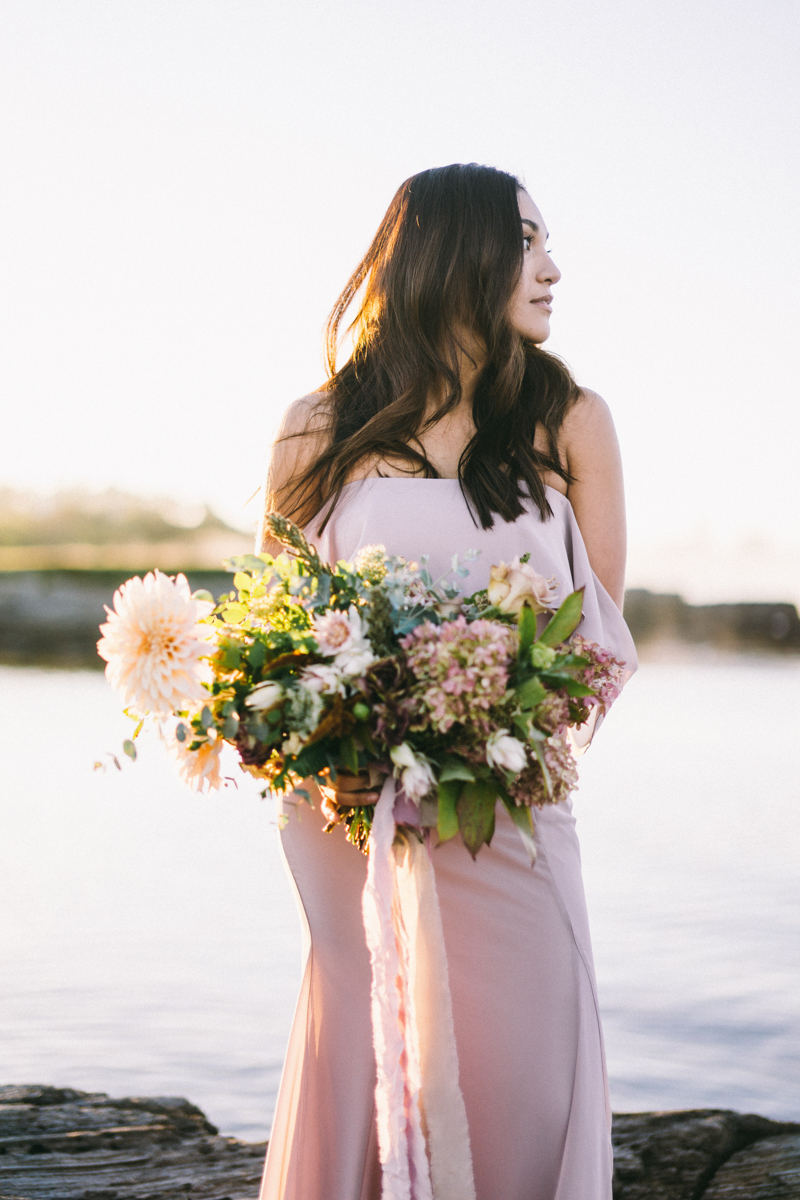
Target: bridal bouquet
x=310, y=670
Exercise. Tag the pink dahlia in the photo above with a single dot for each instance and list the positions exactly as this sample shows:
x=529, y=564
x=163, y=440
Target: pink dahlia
x=153, y=644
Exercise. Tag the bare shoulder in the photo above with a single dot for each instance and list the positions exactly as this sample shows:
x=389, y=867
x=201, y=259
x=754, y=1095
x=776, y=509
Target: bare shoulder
x=300, y=437
x=588, y=439
x=590, y=447
x=306, y=416
x=588, y=417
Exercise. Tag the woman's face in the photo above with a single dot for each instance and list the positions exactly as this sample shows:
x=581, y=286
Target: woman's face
x=531, y=304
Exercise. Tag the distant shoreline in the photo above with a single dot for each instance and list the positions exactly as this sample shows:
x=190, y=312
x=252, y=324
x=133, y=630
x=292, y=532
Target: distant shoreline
x=51, y=617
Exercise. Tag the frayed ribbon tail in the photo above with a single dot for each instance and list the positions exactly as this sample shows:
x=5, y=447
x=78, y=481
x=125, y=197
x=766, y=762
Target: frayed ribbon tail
x=423, y=1137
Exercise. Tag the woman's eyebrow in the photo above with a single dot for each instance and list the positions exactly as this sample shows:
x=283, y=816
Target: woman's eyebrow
x=532, y=224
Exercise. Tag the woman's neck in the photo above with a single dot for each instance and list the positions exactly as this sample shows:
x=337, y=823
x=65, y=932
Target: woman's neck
x=470, y=366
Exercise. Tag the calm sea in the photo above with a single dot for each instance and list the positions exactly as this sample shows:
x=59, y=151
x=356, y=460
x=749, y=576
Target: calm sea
x=150, y=944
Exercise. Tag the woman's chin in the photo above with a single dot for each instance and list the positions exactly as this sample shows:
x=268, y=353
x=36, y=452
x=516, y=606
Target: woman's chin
x=535, y=331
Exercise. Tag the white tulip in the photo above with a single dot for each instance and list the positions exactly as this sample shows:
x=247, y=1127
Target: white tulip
x=403, y=756
x=265, y=695
x=414, y=771
x=506, y=752
x=418, y=780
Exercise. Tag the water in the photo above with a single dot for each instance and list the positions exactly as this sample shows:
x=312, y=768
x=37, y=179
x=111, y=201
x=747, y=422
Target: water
x=150, y=943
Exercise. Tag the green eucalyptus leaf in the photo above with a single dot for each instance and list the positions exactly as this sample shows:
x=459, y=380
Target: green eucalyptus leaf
x=129, y=749
x=203, y=594
x=206, y=717
x=231, y=726
x=565, y=621
x=235, y=613
x=181, y=732
x=246, y=562
x=447, y=817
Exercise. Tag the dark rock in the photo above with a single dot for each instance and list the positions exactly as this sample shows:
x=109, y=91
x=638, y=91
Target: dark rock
x=768, y=1170
x=62, y=1144
x=674, y=1155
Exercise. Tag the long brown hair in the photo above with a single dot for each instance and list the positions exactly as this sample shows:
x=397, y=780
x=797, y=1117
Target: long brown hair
x=446, y=259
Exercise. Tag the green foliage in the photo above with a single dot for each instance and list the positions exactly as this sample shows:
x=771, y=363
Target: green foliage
x=527, y=633
x=257, y=655
x=530, y=693
x=566, y=620
x=456, y=768
x=475, y=807
x=349, y=753
x=522, y=817
x=447, y=815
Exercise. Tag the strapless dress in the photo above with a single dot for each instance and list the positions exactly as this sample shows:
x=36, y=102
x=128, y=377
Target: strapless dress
x=527, y=1024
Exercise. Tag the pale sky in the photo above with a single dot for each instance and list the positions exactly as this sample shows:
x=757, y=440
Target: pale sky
x=187, y=185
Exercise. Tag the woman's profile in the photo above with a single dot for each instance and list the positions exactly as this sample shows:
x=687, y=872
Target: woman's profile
x=449, y=428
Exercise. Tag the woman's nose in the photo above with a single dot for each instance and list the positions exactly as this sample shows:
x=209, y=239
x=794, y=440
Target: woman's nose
x=548, y=272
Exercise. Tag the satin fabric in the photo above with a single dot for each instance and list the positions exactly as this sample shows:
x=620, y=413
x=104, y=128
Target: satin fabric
x=527, y=1025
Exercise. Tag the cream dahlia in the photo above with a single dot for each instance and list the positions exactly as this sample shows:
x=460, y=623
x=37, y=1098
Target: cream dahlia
x=200, y=769
x=152, y=644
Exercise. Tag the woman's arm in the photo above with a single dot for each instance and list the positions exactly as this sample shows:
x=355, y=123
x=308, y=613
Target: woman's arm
x=300, y=438
x=589, y=445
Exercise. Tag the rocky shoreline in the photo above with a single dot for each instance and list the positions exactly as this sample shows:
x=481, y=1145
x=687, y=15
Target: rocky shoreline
x=62, y=1144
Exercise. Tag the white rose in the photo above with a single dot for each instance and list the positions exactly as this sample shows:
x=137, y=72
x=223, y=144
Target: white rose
x=516, y=584
x=506, y=752
x=265, y=695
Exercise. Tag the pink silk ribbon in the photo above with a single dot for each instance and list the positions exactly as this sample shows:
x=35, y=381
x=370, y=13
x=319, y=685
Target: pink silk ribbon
x=423, y=1137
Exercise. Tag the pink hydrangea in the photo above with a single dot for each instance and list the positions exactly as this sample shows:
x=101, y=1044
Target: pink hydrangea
x=529, y=787
x=553, y=712
x=605, y=674
x=461, y=669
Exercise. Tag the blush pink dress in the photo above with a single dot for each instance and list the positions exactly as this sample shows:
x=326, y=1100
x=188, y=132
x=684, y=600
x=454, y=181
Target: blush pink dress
x=527, y=1024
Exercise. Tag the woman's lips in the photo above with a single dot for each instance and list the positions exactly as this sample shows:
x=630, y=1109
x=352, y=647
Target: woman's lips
x=544, y=302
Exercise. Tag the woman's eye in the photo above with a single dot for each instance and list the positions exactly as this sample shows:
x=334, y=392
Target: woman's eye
x=526, y=241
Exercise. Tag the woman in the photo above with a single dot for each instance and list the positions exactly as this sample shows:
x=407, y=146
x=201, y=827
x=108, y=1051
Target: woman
x=449, y=428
